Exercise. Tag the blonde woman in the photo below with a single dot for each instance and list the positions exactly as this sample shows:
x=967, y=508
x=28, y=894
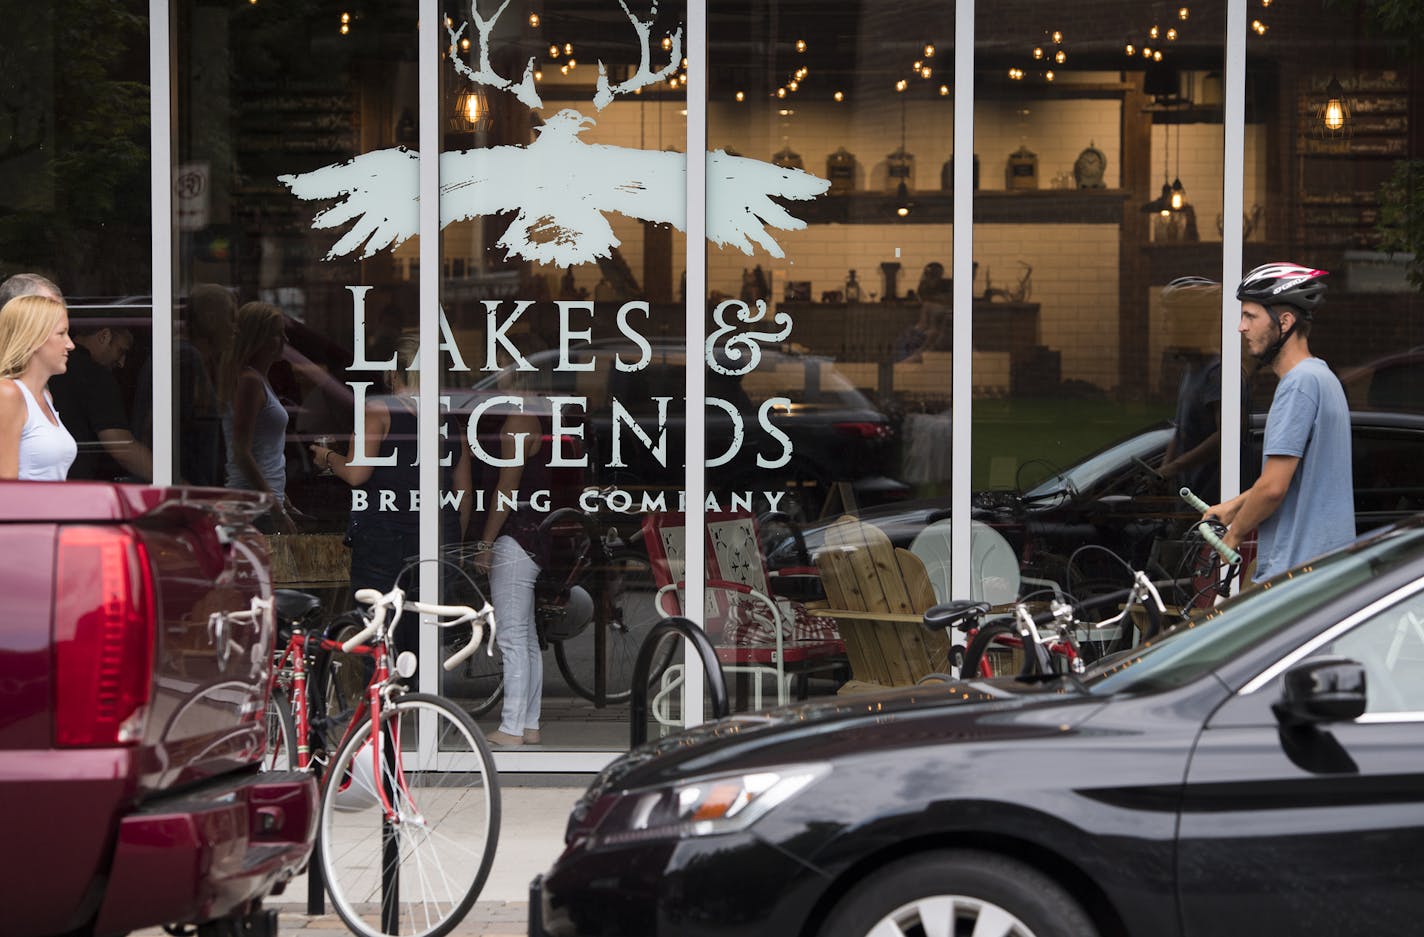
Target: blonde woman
x=34, y=346
x=253, y=419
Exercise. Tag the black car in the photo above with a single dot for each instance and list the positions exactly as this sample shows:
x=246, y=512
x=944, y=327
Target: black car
x=1258, y=773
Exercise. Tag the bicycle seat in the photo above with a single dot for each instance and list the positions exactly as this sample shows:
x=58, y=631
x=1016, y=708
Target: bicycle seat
x=292, y=607
x=949, y=614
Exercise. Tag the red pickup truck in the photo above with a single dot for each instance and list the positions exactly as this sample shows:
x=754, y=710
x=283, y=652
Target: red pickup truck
x=135, y=648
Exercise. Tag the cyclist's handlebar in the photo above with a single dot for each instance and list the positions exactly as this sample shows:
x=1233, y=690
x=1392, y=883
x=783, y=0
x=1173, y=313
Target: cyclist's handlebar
x=1207, y=534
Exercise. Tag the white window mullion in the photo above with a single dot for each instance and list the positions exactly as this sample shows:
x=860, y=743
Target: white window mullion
x=160, y=109
x=428, y=425
x=695, y=476
x=1232, y=202
x=962, y=377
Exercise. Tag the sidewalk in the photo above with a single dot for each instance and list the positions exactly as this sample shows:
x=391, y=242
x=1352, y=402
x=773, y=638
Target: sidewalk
x=531, y=838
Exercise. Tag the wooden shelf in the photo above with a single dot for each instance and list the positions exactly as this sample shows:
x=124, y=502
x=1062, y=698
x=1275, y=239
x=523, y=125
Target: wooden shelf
x=1042, y=206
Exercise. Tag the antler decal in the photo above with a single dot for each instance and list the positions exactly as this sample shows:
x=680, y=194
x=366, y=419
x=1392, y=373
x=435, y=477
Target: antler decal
x=485, y=75
x=644, y=75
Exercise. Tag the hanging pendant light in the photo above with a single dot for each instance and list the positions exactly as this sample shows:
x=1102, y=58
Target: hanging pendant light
x=1334, y=114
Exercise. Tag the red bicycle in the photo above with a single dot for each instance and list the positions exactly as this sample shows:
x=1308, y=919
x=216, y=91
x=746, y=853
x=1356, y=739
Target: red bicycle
x=410, y=810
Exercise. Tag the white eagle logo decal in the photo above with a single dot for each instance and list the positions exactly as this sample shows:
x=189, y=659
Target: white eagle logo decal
x=560, y=187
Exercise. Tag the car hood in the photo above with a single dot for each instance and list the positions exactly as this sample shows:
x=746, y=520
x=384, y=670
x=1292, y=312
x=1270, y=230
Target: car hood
x=980, y=710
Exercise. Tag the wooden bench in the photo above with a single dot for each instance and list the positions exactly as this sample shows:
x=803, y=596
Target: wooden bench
x=878, y=594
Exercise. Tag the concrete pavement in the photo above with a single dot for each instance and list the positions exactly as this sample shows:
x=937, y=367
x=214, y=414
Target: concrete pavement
x=533, y=814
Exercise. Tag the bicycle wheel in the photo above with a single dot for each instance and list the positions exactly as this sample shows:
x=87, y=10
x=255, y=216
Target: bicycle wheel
x=629, y=576
x=478, y=684
x=995, y=650
x=281, y=734
x=420, y=873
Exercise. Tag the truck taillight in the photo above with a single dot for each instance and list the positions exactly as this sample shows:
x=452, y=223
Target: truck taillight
x=103, y=636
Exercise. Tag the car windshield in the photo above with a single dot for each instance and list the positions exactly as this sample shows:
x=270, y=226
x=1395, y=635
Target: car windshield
x=1086, y=474
x=1189, y=651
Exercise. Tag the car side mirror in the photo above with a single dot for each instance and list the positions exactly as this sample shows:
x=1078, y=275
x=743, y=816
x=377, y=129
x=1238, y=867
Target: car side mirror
x=1330, y=689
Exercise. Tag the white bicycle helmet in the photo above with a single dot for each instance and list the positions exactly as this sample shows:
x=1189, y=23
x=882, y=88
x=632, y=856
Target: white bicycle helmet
x=1283, y=284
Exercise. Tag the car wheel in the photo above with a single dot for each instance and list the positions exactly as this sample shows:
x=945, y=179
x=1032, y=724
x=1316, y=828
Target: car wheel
x=976, y=893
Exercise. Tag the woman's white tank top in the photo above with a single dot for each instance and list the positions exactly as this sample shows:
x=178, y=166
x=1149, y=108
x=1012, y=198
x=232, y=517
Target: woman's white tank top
x=46, y=450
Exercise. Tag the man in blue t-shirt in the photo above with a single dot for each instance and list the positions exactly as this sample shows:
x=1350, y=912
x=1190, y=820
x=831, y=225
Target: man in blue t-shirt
x=1303, y=503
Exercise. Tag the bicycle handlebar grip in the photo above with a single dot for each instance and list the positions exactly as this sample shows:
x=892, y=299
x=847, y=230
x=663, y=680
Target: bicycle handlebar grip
x=477, y=634
x=368, y=596
x=1196, y=504
x=1219, y=545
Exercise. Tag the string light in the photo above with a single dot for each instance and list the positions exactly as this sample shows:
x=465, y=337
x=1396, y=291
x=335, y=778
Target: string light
x=667, y=43
x=1131, y=49
x=926, y=72
x=1016, y=74
x=792, y=85
x=1048, y=75
x=534, y=20
x=538, y=74
x=553, y=52
x=1172, y=35
x=839, y=96
x=1037, y=52
x=781, y=92
x=901, y=85
x=1152, y=32
x=1156, y=56
x=563, y=69
x=1060, y=56
x=1146, y=52
x=929, y=51
x=1183, y=13
x=1057, y=36
x=568, y=48
x=741, y=96
x=800, y=45
x=573, y=64
x=944, y=91
x=1259, y=27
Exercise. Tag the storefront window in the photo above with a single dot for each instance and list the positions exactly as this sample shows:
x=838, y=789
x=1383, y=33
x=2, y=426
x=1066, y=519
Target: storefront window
x=1098, y=383
x=75, y=208
x=1338, y=163
x=829, y=343
x=1097, y=302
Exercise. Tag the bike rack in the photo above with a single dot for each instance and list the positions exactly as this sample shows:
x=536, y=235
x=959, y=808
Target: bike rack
x=716, y=682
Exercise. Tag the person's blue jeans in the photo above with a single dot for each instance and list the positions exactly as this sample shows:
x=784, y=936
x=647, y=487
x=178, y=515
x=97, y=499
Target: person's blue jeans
x=512, y=576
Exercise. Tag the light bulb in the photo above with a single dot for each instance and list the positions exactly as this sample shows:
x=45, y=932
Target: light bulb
x=465, y=44
x=1057, y=36
x=1131, y=49
x=741, y=95
x=553, y=52
x=900, y=85
x=568, y=48
x=926, y=72
x=573, y=63
x=1037, y=52
x=1146, y=52
x=792, y=85
x=929, y=51
x=346, y=17
x=1259, y=27
x=1060, y=56
x=1152, y=32
x=839, y=96
x=534, y=20
x=1156, y=56
x=944, y=91
x=800, y=45
x=781, y=92
x=1183, y=13
x=1172, y=35
x=1048, y=75
x=667, y=43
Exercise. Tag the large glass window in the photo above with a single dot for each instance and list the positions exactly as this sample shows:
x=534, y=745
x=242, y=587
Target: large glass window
x=1097, y=308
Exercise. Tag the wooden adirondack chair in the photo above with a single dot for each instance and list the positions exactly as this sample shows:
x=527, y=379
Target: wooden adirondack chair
x=878, y=594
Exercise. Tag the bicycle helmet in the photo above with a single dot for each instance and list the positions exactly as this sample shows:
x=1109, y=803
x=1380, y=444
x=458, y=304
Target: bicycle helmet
x=1283, y=284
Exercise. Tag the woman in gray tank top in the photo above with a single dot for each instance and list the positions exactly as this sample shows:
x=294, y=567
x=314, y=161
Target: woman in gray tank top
x=34, y=346
x=254, y=420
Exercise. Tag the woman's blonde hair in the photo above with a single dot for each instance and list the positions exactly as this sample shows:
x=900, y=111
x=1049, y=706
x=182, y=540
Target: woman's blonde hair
x=256, y=325
x=25, y=323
